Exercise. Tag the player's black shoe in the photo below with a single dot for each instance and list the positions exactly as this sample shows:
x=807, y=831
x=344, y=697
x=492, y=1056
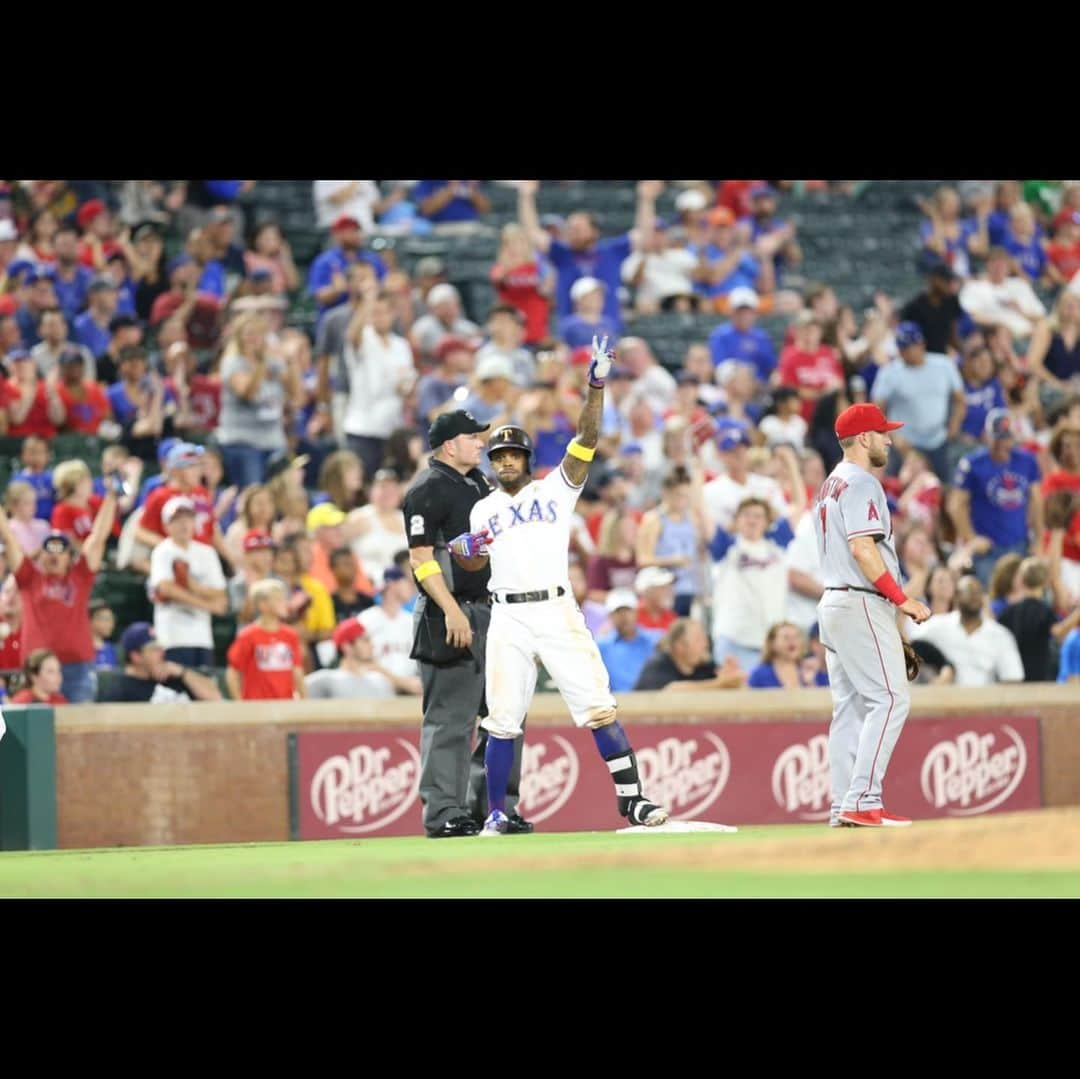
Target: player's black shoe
x=641, y=811
x=518, y=825
x=455, y=828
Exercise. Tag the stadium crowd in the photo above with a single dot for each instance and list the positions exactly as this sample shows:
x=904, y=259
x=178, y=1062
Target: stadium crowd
x=252, y=464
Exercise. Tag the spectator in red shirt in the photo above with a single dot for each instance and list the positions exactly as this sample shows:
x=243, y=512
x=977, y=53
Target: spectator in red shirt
x=55, y=593
x=1065, y=448
x=42, y=678
x=266, y=661
x=84, y=400
x=735, y=195
x=199, y=312
x=33, y=404
x=655, y=587
x=76, y=505
x=1064, y=250
x=198, y=396
x=808, y=366
x=183, y=471
x=10, y=622
x=523, y=281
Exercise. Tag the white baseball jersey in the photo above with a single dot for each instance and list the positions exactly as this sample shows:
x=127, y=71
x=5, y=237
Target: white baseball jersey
x=530, y=534
x=391, y=640
x=852, y=503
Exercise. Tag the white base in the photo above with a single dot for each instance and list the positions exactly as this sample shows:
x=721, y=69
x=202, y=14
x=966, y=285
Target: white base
x=677, y=826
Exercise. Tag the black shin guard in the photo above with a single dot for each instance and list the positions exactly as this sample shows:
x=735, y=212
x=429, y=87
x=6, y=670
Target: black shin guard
x=624, y=774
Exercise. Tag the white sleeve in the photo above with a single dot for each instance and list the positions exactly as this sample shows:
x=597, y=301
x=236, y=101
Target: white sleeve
x=1030, y=304
x=630, y=266
x=215, y=576
x=161, y=561
x=1008, y=665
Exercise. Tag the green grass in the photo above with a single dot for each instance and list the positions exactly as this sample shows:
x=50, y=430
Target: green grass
x=597, y=865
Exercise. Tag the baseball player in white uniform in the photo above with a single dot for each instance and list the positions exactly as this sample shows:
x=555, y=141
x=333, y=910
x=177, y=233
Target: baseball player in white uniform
x=857, y=615
x=524, y=528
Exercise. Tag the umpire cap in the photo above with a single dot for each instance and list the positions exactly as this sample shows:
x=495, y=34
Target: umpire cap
x=451, y=424
x=509, y=437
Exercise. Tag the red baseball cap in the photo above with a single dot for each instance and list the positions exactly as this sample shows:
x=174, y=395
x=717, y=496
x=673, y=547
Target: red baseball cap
x=347, y=631
x=345, y=221
x=859, y=419
x=88, y=211
x=256, y=539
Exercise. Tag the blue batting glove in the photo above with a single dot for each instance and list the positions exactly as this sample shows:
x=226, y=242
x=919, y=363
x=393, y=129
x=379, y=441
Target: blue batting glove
x=470, y=544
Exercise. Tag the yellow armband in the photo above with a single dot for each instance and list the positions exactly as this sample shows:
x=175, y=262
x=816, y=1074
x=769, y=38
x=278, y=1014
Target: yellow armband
x=582, y=453
x=427, y=569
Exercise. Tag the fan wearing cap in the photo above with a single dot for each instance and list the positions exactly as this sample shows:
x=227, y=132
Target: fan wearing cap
x=86, y=405
x=358, y=674
x=628, y=647
x=858, y=618
x=584, y=253
x=445, y=386
x=91, y=328
x=937, y=311
x=588, y=320
x=726, y=262
x=55, y=592
x=391, y=630
x=996, y=501
x=494, y=394
x=188, y=586
x=655, y=588
x=266, y=661
x=149, y=678
x=256, y=564
x=381, y=374
x=32, y=403
x=924, y=391
x=740, y=338
x=39, y=296
x=98, y=240
x=182, y=467
x=326, y=278
x=443, y=319
x=772, y=238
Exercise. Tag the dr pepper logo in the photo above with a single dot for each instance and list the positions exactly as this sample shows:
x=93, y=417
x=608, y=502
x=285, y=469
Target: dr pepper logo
x=973, y=772
x=549, y=776
x=685, y=774
x=800, y=779
x=365, y=789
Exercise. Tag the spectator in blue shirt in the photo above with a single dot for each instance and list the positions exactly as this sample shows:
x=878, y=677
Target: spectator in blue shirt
x=1024, y=243
x=451, y=202
x=34, y=458
x=584, y=253
x=1069, y=663
x=40, y=297
x=786, y=662
x=996, y=497
x=116, y=267
x=740, y=339
x=728, y=262
x=1006, y=196
x=91, y=328
x=982, y=390
x=588, y=320
x=326, y=278
x=945, y=236
x=773, y=238
x=628, y=647
x=70, y=278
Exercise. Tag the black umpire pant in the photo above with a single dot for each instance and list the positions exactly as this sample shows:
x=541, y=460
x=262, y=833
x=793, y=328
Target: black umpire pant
x=452, y=781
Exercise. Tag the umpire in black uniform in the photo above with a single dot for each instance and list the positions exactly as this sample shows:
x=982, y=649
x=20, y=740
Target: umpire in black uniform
x=450, y=632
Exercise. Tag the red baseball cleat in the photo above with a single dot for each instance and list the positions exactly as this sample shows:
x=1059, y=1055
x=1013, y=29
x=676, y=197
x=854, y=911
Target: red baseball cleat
x=870, y=818
x=894, y=820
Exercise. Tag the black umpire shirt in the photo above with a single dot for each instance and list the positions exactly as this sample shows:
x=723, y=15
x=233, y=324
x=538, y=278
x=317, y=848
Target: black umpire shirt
x=436, y=509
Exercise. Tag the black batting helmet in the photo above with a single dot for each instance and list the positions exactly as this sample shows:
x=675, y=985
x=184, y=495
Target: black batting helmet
x=509, y=437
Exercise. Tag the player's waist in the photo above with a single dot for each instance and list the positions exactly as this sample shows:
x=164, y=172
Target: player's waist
x=535, y=595
x=853, y=588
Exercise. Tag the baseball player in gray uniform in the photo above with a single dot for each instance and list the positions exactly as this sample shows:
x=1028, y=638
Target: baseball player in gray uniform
x=857, y=616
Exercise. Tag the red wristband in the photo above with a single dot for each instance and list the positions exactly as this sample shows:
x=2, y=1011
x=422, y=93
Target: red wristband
x=890, y=589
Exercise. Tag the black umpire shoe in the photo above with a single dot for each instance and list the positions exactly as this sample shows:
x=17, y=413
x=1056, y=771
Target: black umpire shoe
x=455, y=827
x=518, y=825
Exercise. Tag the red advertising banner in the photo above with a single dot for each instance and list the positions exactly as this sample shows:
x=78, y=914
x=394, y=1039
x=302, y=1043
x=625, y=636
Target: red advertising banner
x=362, y=784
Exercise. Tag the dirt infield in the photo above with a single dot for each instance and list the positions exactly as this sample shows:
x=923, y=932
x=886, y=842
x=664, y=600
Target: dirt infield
x=1047, y=839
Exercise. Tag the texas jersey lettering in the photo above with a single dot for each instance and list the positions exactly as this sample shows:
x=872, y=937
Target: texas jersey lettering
x=531, y=531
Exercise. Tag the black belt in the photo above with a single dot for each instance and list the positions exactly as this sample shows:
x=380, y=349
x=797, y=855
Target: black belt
x=852, y=588
x=528, y=597
x=484, y=601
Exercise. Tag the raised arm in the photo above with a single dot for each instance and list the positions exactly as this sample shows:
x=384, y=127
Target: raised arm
x=93, y=551
x=648, y=191
x=582, y=448
x=14, y=552
x=528, y=217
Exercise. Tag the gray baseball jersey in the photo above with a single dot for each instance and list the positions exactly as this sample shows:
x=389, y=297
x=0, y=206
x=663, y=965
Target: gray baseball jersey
x=851, y=503
x=865, y=658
